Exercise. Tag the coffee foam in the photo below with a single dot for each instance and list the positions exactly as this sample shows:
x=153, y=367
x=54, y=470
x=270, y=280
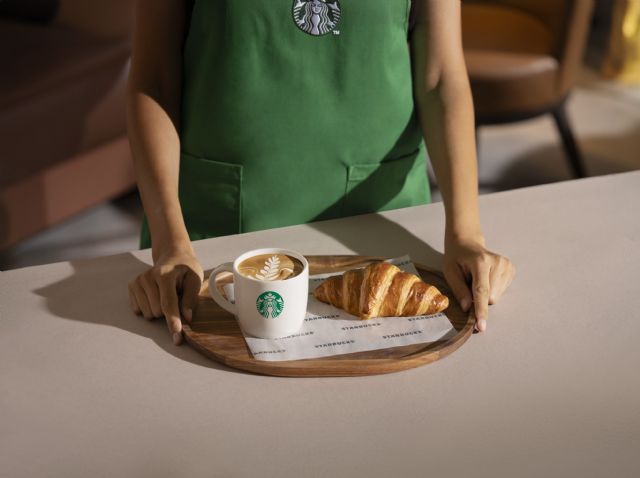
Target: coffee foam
x=270, y=267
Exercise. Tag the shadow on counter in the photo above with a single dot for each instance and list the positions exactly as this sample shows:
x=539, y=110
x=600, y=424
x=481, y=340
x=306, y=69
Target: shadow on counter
x=375, y=235
x=96, y=293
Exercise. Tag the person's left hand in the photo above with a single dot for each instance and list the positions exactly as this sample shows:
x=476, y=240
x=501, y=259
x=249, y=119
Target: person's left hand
x=476, y=275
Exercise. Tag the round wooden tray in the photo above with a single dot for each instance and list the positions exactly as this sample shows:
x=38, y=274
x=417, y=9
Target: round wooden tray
x=215, y=333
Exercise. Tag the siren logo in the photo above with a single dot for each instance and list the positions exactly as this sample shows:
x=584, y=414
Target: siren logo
x=270, y=304
x=316, y=17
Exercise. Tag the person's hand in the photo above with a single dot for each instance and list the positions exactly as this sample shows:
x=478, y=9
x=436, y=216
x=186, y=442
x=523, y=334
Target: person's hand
x=476, y=275
x=170, y=288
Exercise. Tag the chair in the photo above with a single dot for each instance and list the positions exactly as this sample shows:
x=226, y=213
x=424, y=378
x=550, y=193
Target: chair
x=522, y=57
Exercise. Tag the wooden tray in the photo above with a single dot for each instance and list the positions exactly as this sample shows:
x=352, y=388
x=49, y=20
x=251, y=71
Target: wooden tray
x=215, y=333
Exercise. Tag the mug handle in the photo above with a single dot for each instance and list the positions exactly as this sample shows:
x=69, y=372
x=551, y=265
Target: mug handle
x=215, y=293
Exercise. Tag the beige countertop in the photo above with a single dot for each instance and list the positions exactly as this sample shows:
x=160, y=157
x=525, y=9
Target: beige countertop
x=552, y=388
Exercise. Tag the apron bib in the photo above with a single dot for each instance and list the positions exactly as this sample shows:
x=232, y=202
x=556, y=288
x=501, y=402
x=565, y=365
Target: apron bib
x=296, y=111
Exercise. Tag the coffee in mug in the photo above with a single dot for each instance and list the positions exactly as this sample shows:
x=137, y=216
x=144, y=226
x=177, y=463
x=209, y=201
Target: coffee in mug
x=271, y=288
x=270, y=267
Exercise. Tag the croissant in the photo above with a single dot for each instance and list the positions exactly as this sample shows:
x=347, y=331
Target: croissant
x=381, y=290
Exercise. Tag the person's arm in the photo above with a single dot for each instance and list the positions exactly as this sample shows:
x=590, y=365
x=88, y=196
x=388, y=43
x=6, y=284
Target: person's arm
x=445, y=108
x=153, y=123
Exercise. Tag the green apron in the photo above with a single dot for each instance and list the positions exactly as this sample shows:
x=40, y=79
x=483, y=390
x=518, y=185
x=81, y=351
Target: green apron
x=296, y=111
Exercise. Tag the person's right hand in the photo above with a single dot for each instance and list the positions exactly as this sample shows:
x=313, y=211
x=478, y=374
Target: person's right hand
x=170, y=288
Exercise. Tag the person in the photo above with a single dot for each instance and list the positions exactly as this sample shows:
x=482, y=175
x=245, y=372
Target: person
x=252, y=114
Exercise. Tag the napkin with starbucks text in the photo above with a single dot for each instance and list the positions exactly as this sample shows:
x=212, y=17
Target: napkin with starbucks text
x=328, y=330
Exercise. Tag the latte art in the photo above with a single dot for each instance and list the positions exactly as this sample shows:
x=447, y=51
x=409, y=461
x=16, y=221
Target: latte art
x=270, y=267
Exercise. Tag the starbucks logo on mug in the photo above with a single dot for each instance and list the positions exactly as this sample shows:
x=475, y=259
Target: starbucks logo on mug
x=316, y=17
x=270, y=304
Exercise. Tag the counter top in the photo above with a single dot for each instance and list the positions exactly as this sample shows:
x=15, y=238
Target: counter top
x=551, y=389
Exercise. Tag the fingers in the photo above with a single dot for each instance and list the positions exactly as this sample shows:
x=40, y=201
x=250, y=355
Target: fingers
x=157, y=292
x=480, y=290
x=150, y=287
x=458, y=284
x=140, y=299
x=154, y=295
x=191, y=284
x=169, y=304
x=134, y=303
x=490, y=275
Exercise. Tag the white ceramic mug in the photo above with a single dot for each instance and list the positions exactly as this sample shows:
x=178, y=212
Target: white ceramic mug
x=266, y=309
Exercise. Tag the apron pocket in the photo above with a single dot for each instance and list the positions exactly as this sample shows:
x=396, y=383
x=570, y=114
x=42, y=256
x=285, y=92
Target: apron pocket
x=210, y=196
x=392, y=184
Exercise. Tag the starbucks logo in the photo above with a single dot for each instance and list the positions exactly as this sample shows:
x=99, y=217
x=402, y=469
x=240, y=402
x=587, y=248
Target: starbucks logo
x=270, y=304
x=316, y=17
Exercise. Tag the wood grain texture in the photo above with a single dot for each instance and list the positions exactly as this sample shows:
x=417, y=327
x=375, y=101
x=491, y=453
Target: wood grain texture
x=215, y=333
